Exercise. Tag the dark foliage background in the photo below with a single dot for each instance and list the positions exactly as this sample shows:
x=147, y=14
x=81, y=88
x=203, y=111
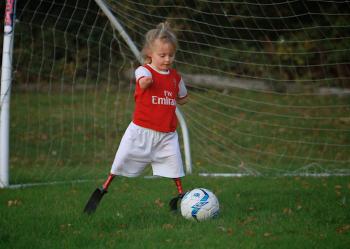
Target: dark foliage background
x=278, y=41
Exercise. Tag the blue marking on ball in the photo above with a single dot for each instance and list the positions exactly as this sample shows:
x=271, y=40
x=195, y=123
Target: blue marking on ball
x=202, y=202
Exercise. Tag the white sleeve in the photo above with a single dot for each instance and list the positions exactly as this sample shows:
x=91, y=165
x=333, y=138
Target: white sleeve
x=142, y=72
x=182, y=89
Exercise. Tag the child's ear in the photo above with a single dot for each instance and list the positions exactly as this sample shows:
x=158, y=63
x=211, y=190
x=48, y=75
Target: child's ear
x=147, y=60
x=149, y=53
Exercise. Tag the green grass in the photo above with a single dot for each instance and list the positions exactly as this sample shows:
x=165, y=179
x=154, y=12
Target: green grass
x=269, y=132
x=74, y=135
x=60, y=136
x=255, y=213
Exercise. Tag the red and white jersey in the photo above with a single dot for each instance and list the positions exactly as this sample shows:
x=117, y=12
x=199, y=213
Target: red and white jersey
x=155, y=106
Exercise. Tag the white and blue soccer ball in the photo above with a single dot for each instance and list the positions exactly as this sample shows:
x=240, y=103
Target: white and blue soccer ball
x=199, y=204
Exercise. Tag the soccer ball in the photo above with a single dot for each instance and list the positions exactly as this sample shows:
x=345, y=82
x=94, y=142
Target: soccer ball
x=199, y=204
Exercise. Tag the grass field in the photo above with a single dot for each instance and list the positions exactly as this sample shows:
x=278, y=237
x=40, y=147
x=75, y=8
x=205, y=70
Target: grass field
x=255, y=213
x=74, y=135
x=64, y=136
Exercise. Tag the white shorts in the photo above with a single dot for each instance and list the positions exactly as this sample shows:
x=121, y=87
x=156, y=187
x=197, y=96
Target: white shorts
x=141, y=146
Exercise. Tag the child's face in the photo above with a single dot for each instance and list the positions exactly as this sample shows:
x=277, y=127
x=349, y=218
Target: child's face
x=162, y=54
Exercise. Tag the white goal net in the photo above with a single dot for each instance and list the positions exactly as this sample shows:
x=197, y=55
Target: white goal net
x=269, y=85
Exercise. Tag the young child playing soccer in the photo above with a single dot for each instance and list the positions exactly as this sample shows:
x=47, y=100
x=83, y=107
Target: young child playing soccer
x=151, y=137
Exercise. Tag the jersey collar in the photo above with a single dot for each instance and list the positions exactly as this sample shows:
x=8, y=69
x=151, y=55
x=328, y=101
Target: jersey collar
x=155, y=69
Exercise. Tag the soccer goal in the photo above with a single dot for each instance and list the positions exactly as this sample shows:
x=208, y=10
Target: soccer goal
x=269, y=86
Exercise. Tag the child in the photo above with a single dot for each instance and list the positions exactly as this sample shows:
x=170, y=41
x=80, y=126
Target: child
x=151, y=137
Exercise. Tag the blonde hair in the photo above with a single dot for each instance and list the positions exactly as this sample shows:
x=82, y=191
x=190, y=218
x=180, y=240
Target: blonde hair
x=162, y=32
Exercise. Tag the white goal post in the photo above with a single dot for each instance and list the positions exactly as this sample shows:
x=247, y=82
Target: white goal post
x=6, y=77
